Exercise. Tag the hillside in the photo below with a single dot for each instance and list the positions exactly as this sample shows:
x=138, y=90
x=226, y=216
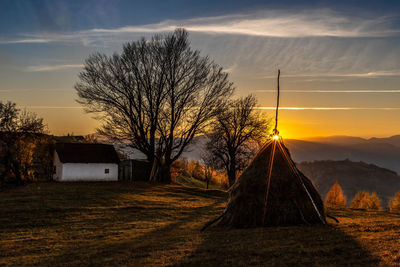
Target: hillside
x=137, y=224
x=353, y=177
x=380, y=153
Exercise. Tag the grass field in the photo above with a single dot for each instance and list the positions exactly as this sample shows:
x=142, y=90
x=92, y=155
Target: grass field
x=192, y=182
x=143, y=224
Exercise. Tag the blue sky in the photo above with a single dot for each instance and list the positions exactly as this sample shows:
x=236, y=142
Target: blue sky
x=340, y=60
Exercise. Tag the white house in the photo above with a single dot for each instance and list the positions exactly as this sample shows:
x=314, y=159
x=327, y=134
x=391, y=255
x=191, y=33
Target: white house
x=85, y=162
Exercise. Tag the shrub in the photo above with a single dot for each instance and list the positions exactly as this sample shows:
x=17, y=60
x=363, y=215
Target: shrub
x=394, y=203
x=335, y=197
x=359, y=200
x=374, y=202
x=364, y=200
x=195, y=170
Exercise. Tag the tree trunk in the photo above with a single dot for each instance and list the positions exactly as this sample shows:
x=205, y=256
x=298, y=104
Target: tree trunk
x=232, y=175
x=232, y=171
x=161, y=171
x=16, y=169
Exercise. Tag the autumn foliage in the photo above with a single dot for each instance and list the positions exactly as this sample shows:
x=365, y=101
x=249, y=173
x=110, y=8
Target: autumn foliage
x=364, y=200
x=394, y=203
x=335, y=197
x=196, y=170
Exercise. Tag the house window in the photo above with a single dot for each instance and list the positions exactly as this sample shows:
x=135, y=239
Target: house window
x=107, y=171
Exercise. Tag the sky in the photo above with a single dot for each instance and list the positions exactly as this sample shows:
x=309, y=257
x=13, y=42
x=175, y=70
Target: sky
x=339, y=60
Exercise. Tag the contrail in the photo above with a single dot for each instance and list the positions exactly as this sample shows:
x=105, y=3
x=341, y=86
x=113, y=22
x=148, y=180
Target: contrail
x=331, y=91
x=51, y=107
x=329, y=108
x=259, y=108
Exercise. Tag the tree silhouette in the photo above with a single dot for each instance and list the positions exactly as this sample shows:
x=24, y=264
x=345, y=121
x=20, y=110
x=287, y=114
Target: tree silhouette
x=236, y=134
x=19, y=131
x=156, y=96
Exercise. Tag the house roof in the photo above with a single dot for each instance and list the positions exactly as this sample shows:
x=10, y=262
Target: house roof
x=86, y=153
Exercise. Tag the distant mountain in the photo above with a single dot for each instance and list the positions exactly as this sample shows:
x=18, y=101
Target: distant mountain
x=376, y=151
x=351, y=140
x=337, y=140
x=393, y=140
x=352, y=177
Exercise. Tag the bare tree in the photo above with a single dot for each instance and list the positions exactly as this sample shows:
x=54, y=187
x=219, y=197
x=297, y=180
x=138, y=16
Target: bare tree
x=157, y=95
x=12, y=120
x=8, y=117
x=236, y=134
x=196, y=89
x=126, y=92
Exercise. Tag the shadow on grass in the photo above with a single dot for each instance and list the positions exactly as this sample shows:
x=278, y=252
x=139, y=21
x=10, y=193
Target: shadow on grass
x=88, y=221
x=51, y=203
x=291, y=245
x=163, y=245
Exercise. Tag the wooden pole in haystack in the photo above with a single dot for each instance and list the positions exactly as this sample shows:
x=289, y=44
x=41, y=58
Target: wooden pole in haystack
x=275, y=138
x=276, y=132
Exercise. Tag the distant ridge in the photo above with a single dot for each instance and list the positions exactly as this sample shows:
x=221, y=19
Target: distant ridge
x=384, y=152
x=352, y=140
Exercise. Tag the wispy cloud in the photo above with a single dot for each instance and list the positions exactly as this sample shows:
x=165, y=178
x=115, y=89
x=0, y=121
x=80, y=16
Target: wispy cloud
x=40, y=68
x=19, y=90
x=273, y=23
x=230, y=69
x=371, y=74
x=329, y=108
x=26, y=41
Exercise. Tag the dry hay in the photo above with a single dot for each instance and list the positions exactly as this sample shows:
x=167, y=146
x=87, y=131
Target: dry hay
x=288, y=202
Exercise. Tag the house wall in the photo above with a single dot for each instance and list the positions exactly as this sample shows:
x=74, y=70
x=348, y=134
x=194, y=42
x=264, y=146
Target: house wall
x=89, y=172
x=58, y=167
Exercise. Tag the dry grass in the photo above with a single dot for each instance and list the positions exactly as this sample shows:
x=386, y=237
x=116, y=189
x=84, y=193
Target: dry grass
x=193, y=182
x=141, y=224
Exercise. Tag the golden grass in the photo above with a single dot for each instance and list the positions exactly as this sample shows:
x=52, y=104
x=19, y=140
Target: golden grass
x=138, y=224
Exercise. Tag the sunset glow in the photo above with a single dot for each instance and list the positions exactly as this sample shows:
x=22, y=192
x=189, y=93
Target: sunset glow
x=340, y=66
x=199, y=133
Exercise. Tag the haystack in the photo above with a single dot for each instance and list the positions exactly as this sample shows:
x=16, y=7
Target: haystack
x=271, y=192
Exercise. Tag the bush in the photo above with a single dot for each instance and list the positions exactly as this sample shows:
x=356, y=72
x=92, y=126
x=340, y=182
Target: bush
x=335, y=197
x=364, y=200
x=358, y=201
x=374, y=202
x=394, y=203
x=195, y=169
